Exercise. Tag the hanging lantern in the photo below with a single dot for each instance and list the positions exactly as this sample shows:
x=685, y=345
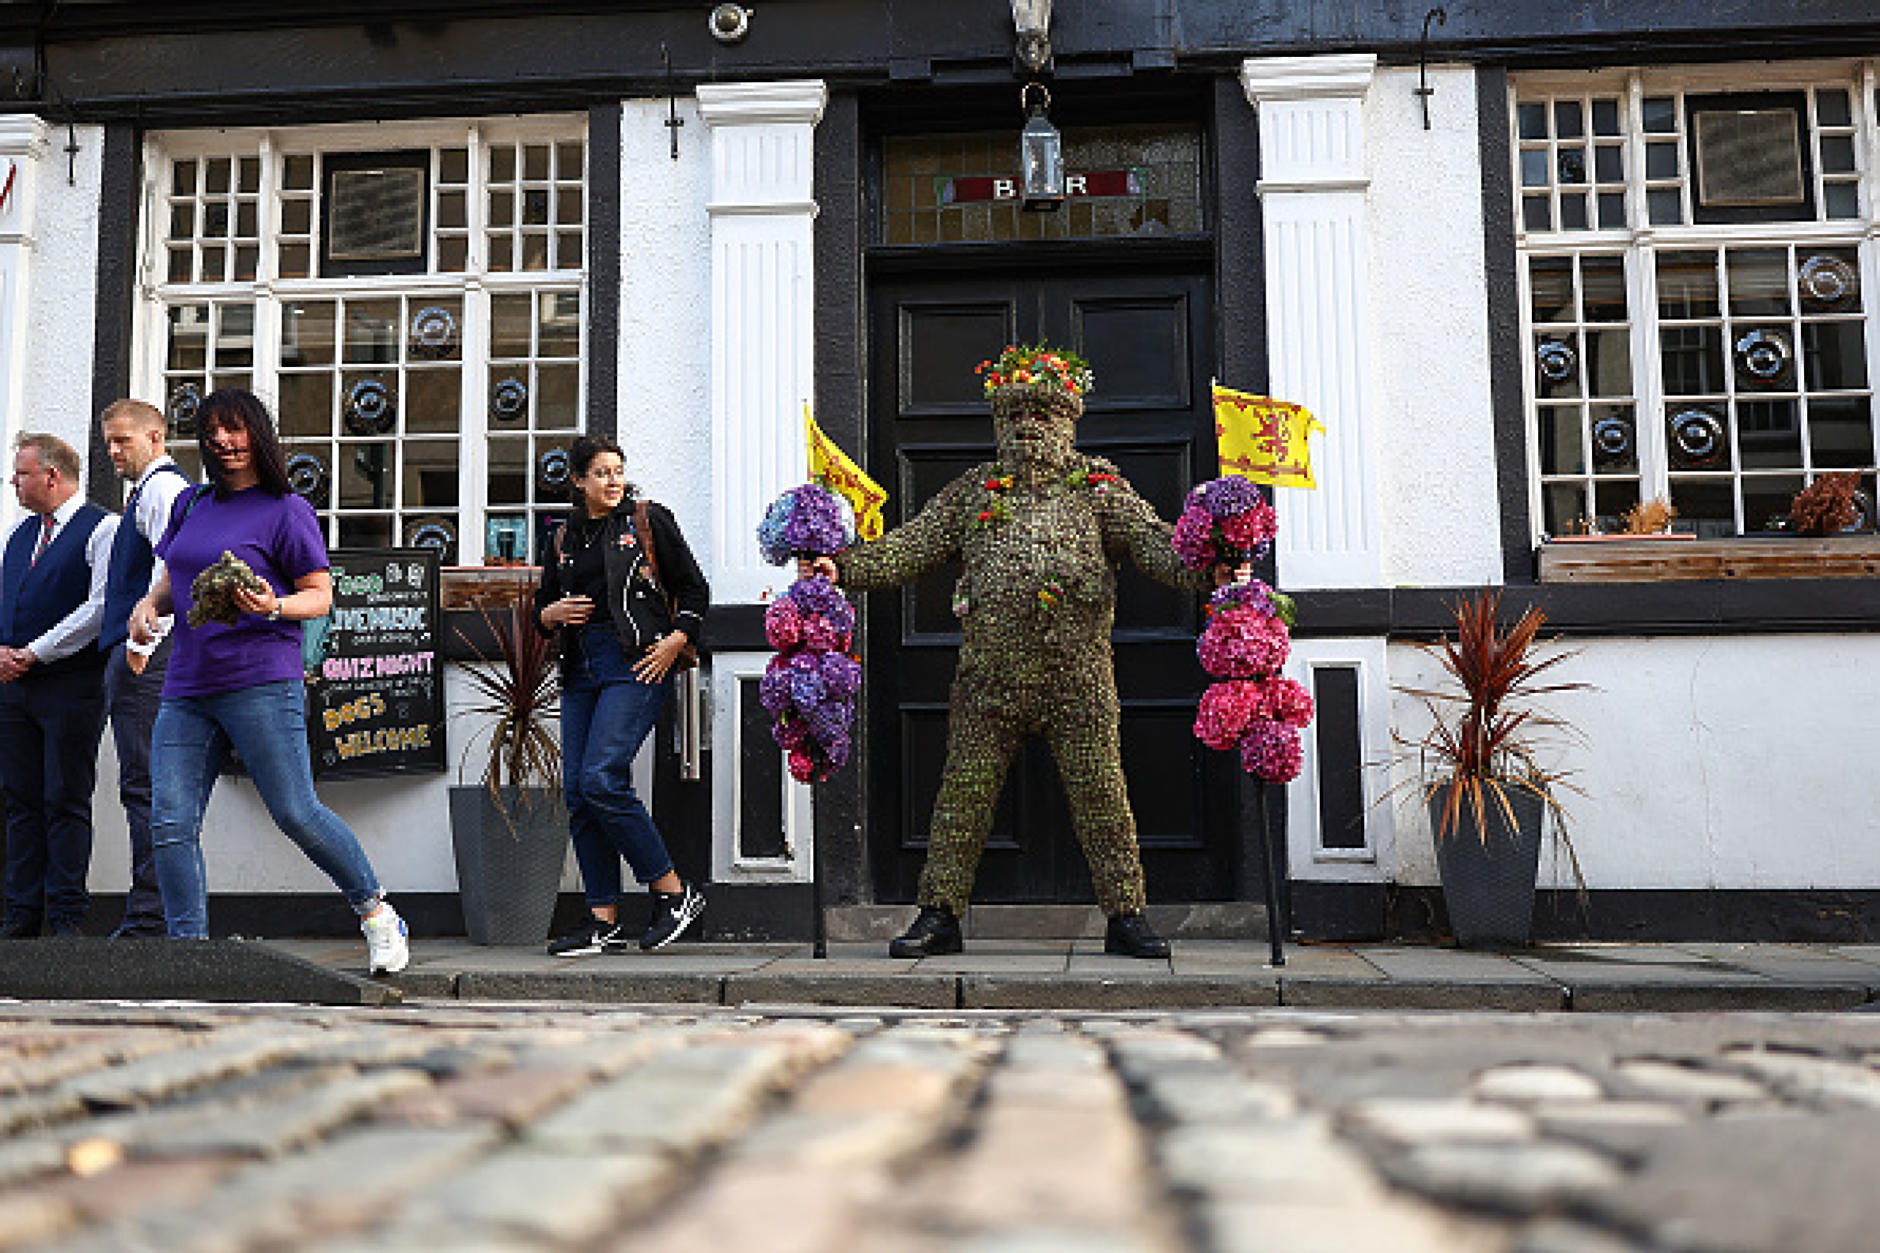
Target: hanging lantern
x=1040, y=154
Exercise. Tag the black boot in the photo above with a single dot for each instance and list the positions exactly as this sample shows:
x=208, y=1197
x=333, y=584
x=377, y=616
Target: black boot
x=1129, y=936
x=935, y=932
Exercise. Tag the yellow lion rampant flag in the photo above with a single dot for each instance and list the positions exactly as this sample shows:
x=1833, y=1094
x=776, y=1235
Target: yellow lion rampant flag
x=831, y=467
x=1263, y=439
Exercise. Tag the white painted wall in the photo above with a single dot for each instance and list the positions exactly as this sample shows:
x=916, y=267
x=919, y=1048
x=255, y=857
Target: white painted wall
x=61, y=324
x=403, y=824
x=665, y=315
x=1429, y=335
x=1722, y=762
x=54, y=270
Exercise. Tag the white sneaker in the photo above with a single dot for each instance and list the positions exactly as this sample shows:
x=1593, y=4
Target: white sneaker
x=387, y=952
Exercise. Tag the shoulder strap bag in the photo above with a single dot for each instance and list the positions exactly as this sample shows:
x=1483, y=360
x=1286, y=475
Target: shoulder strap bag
x=643, y=531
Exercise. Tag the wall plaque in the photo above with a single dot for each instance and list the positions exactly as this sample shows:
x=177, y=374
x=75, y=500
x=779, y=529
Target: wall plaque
x=376, y=214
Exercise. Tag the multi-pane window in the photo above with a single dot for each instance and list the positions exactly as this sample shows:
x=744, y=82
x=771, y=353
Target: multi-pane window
x=1140, y=179
x=408, y=299
x=1696, y=266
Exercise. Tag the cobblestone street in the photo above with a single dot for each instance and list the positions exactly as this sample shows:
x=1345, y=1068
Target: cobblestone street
x=509, y=1127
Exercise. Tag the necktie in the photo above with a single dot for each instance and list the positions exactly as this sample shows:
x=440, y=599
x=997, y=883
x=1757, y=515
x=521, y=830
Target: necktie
x=45, y=538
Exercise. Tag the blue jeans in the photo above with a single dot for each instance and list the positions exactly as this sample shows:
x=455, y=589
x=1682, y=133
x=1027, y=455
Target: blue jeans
x=606, y=714
x=267, y=725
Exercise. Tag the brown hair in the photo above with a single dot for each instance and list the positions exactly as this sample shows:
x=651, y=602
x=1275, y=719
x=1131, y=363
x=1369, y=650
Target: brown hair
x=52, y=451
x=147, y=416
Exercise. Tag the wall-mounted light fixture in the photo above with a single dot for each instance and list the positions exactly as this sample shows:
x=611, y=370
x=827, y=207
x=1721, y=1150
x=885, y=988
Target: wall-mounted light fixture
x=1040, y=153
x=1031, y=22
x=730, y=23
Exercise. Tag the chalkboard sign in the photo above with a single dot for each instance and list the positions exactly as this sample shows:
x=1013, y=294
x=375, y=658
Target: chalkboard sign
x=375, y=683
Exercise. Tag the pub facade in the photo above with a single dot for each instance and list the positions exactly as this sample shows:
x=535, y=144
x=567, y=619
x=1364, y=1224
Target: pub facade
x=1530, y=267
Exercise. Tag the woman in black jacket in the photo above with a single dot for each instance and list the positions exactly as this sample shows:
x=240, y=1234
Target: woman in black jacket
x=623, y=621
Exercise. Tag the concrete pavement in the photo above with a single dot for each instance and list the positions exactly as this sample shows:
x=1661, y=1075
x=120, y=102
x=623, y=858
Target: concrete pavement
x=1075, y=974
x=487, y=1128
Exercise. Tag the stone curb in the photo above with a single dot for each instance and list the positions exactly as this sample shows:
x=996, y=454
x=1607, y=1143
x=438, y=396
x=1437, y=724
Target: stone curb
x=1623, y=998
x=911, y=990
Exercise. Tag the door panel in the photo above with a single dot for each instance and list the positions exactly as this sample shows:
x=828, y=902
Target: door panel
x=1145, y=335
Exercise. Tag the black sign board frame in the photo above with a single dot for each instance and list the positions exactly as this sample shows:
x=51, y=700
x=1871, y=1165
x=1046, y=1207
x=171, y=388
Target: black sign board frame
x=374, y=668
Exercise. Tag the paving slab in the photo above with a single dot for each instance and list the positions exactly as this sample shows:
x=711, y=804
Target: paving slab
x=1430, y=964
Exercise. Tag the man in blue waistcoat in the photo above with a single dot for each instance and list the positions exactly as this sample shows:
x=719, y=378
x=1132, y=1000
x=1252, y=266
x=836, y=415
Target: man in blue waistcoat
x=52, y=585
x=133, y=672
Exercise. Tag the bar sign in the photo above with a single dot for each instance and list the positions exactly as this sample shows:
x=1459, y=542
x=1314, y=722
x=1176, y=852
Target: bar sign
x=1095, y=184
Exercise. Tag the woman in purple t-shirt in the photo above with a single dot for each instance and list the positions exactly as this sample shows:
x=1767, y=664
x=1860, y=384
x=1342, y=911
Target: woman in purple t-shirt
x=240, y=686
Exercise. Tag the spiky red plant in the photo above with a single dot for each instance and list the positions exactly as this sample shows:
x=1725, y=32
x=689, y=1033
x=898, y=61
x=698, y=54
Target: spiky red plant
x=1485, y=732
x=519, y=690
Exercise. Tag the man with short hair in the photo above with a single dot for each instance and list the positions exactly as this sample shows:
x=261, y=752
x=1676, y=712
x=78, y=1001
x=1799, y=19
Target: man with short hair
x=52, y=584
x=133, y=672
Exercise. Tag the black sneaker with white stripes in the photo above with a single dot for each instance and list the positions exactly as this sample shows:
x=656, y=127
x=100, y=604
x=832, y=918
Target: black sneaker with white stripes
x=591, y=937
x=673, y=912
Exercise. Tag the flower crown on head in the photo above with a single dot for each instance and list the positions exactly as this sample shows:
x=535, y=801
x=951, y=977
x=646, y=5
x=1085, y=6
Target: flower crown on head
x=1038, y=365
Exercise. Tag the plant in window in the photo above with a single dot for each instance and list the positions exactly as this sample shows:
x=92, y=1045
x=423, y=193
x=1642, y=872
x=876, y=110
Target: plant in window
x=1827, y=505
x=1481, y=766
x=1649, y=517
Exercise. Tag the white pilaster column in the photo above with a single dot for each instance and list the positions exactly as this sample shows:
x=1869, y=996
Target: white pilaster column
x=763, y=305
x=1312, y=198
x=22, y=148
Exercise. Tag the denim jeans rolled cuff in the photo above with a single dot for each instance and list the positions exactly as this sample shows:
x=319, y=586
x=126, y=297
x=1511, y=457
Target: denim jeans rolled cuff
x=606, y=715
x=266, y=724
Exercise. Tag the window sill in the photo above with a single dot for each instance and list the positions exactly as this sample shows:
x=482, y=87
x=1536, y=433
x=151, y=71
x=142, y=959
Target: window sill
x=1651, y=560
x=486, y=587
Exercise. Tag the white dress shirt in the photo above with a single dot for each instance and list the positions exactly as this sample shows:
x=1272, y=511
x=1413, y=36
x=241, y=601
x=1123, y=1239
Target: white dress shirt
x=80, y=627
x=152, y=518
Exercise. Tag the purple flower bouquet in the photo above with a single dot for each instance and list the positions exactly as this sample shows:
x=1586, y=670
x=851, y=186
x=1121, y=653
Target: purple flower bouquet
x=806, y=521
x=809, y=687
x=1224, y=521
x=1247, y=637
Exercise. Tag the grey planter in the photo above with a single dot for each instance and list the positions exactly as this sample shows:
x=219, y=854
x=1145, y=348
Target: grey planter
x=508, y=870
x=1488, y=884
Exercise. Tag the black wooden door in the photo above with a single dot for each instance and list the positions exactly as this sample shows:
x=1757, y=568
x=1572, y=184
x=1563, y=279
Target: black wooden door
x=1148, y=337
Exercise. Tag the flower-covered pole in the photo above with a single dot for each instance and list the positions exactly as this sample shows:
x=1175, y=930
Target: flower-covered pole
x=1251, y=707
x=809, y=687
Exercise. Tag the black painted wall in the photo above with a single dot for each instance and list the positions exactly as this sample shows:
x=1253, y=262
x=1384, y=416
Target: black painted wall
x=180, y=61
x=118, y=194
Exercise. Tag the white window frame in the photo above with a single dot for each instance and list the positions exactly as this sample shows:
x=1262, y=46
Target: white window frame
x=1639, y=243
x=475, y=284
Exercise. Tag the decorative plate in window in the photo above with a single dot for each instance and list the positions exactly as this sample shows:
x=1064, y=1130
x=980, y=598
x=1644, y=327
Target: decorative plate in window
x=185, y=403
x=433, y=332
x=371, y=409
x=307, y=476
x=1696, y=439
x=1556, y=359
x=509, y=400
x=1827, y=283
x=1613, y=440
x=433, y=533
x=554, y=469
x=1764, y=357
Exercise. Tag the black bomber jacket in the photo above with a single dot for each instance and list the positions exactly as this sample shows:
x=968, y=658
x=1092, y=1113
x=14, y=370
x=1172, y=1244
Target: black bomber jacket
x=637, y=606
